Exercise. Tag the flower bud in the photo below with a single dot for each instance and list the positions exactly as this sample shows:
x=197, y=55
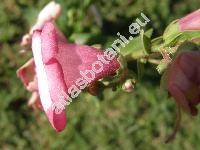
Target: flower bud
x=175, y=30
x=183, y=80
x=26, y=40
x=128, y=86
x=190, y=22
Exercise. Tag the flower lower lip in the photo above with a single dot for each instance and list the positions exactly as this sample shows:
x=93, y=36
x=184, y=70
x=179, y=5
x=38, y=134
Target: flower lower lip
x=42, y=77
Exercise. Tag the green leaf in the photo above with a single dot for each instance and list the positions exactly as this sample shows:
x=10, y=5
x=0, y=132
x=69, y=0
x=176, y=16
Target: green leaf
x=138, y=46
x=156, y=44
x=183, y=36
x=146, y=41
x=189, y=35
x=161, y=67
x=171, y=33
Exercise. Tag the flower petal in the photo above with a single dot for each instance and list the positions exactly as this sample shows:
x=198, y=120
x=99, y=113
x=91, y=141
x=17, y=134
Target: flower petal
x=27, y=73
x=58, y=121
x=191, y=21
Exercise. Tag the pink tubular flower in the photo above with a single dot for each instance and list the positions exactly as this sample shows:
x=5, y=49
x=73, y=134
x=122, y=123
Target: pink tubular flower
x=58, y=67
x=184, y=29
x=183, y=80
x=190, y=22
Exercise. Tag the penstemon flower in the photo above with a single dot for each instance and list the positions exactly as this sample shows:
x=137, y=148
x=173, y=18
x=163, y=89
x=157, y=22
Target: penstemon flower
x=183, y=80
x=58, y=65
x=183, y=83
x=184, y=29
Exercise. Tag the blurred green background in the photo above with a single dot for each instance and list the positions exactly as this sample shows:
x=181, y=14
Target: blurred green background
x=140, y=120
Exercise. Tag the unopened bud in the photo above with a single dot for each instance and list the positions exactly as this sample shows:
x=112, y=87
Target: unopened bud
x=26, y=40
x=128, y=86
